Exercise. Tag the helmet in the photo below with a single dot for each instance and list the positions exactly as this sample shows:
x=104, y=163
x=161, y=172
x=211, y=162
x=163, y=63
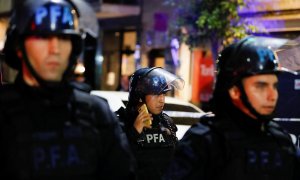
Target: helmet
x=88, y=21
x=43, y=17
x=245, y=58
x=154, y=80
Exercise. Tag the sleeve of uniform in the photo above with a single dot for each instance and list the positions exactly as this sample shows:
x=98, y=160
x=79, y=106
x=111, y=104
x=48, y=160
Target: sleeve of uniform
x=191, y=156
x=117, y=159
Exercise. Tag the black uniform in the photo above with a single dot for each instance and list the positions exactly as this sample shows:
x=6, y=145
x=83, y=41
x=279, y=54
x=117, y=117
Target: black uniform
x=234, y=147
x=154, y=147
x=59, y=133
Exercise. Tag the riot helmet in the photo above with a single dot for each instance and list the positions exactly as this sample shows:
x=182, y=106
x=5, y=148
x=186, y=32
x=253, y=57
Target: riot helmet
x=88, y=23
x=153, y=81
x=42, y=18
x=245, y=58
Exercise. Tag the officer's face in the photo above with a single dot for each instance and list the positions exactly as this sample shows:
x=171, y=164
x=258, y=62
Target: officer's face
x=261, y=91
x=49, y=56
x=155, y=103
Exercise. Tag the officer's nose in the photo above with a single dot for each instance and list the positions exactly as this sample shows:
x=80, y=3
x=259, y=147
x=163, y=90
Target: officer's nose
x=273, y=94
x=53, y=43
x=161, y=98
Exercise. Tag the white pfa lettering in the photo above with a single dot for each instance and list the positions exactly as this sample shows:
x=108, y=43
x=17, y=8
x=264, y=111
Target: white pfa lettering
x=149, y=137
x=161, y=138
x=154, y=138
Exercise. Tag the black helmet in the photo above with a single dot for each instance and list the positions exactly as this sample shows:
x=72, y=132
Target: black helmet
x=88, y=21
x=42, y=17
x=154, y=80
x=245, y=58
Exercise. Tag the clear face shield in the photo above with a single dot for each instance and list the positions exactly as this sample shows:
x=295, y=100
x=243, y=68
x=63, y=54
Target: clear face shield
x=159, y=81
x=155, y=82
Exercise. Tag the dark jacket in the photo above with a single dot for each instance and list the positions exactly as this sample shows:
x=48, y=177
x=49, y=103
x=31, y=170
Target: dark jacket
x=234, y=147
x=154, y=147
x=59, y=133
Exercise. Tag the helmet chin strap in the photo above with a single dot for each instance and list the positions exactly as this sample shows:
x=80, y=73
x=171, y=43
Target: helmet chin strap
x=245, y=100
x=39, y=79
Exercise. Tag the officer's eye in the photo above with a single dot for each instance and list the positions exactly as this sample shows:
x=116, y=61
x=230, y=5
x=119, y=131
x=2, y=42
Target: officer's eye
x=260, y=85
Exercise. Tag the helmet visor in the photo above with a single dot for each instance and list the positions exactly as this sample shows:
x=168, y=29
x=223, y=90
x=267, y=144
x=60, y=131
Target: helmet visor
x=158, y=81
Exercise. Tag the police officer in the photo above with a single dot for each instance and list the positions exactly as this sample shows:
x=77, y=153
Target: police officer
x=49, y=130
x=151, y=133
x=241, y=141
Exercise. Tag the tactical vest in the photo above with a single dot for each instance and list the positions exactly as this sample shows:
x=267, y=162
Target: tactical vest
x=41, y=140
x=266, y=155
x=153, y=148
x=162, y=136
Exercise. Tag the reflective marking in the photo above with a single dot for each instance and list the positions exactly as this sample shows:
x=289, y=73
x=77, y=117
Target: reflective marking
x=155, y=138
x=56, y=14
x=40, y=14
